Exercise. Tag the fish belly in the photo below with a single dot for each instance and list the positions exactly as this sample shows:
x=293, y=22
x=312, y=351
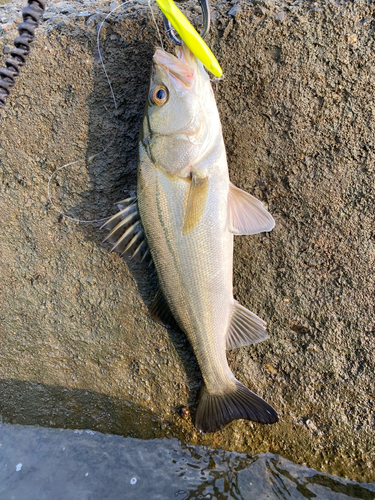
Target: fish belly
x=195, y=269
x=195, y=275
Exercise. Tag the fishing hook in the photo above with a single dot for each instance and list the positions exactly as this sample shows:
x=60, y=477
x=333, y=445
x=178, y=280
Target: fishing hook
x=205, y=6
x=31, y=15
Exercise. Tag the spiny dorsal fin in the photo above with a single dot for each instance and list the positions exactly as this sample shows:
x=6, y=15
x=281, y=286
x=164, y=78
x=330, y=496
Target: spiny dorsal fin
x=196, y=202
x=234, y=402
x=126, y=233
x=125, y=206
x=160, y=311
x=245, y=328
x=246, y=214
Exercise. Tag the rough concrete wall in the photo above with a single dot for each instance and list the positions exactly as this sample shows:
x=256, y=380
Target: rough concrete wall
x=77, y=345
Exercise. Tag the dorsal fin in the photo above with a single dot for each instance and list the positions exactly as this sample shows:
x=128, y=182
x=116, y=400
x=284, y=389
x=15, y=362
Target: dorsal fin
x=126, y=232
x=246, y=214
x=245, y=328
x=161, y=313
x=126, y=207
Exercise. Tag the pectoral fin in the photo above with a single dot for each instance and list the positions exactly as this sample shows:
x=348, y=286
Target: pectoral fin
x=246, y=214
x=196, y=202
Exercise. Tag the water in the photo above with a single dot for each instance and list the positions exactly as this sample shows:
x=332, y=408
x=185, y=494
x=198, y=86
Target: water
x=39, y=463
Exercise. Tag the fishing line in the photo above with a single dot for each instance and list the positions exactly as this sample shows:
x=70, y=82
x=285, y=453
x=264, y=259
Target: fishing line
x=127, y=2
x=100, y=152
x=74, y=219
x=54, y=206
x=156, y=24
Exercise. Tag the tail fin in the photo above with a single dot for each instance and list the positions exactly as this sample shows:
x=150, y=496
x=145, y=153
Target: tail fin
x=217, y=410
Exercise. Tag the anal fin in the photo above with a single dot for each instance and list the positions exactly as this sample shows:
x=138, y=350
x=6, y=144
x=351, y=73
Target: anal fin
x=246, y=214
x=196, y=202
x=245, y=328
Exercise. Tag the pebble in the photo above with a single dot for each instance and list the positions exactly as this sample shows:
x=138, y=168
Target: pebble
x=270, y=368
x=234, y=10
x=362, y=22
x=310, y=424
x=280, y=16
x=86, y=13
x=259, y=11
x=185, y=413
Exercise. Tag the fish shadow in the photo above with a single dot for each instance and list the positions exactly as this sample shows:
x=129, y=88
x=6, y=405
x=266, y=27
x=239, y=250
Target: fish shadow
x=114, y=134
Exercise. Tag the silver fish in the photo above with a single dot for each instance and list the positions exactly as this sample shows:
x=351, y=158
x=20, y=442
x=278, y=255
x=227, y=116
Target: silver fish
x=188, y=214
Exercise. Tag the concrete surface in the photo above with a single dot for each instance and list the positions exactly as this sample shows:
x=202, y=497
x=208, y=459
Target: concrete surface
x=78, y=348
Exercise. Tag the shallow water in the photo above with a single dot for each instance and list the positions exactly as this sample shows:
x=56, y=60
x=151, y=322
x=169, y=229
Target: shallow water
x=41, y=463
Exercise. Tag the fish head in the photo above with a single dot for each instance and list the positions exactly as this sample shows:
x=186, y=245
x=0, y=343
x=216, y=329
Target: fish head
x=177, y=117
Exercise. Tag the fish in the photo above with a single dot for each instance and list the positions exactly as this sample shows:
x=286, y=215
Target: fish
x=184, y=218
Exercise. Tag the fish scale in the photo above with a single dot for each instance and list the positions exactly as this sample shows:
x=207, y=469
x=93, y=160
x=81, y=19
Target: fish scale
x=189, y=212
x=195, y=271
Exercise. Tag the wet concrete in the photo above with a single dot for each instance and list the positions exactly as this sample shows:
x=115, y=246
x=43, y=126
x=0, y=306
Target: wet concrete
x=77, y=345
x=85, y=465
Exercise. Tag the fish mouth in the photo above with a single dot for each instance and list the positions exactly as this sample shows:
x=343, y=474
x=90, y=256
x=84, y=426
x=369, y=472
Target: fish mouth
x=177, y=67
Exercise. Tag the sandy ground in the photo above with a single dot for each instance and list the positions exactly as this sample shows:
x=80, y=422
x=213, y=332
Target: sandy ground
x=77, y=345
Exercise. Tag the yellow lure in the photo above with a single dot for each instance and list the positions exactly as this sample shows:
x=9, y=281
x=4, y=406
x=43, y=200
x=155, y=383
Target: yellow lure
x=190, y=36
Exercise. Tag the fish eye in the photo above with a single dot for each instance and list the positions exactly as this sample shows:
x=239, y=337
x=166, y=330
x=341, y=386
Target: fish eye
x=159, y=95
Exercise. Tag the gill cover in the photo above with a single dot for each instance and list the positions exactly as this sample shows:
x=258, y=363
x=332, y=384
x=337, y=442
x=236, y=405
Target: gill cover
x=176, y=129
